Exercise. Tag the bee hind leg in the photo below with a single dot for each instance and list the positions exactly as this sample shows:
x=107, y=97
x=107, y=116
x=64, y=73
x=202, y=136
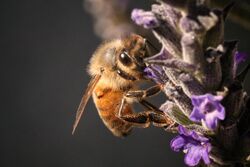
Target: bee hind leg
x=143, y=119
x=158, y=117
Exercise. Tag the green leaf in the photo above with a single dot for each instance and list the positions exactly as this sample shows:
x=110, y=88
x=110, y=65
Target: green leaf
x=178, y=116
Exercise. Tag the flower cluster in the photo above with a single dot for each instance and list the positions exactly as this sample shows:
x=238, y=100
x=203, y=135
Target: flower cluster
x=198, y=70
x=195, y=146
x=207, y=109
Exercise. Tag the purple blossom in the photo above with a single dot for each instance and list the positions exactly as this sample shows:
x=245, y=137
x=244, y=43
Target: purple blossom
x=207, y=109
x=155, y=73
x=195, y=146
x=240, y=57
x=144, y=18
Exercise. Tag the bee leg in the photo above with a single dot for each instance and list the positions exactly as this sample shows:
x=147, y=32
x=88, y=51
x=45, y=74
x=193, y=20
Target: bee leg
x=121, y=107
x=154, y=115
x=141, y=94
x=158, y=115
x=159, y=120
x=143, y=119
x=150, y=106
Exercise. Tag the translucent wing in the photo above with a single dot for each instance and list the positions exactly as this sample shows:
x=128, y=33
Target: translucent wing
x=85, y=99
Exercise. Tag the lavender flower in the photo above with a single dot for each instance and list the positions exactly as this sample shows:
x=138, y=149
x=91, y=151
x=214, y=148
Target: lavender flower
x=240, y=57
x=195, y=59
x=155, y=73
x=207, y=109
x=145, y=19
x=198, y=61
x=195, y=146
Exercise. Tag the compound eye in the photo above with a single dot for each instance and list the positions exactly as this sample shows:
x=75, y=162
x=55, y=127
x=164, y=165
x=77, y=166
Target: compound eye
x=125, y=59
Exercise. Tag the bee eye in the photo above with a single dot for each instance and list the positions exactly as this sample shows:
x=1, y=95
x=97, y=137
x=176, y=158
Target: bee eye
x=125, y=59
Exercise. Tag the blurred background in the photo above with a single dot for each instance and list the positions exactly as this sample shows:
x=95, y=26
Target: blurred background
x=45, y=48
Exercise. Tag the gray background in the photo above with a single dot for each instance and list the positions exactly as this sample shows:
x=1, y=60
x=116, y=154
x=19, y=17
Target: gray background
x=45, y=47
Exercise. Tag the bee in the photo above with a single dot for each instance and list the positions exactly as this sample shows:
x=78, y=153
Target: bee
x=116, y=68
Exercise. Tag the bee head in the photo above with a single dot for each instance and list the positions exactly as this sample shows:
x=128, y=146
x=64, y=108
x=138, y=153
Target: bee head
x=133, y=52
x=129, y=57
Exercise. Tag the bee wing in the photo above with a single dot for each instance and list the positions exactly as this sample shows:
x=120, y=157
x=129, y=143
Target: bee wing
x=85, y=99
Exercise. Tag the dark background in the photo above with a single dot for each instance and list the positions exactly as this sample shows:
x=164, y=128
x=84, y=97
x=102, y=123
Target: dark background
x=45, y=47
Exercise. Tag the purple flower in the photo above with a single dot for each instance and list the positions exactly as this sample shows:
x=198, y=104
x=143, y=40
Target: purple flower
x=155, y=73
x=145, y=19
x=240, y=57
x=196, y=147
x=207, y=109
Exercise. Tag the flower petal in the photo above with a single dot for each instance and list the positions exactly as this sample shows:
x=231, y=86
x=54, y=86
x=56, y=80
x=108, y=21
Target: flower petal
x=199, y=137
x=207, y=108
x=205, y=154
x=193, y=155
x=240, y=57
x=177, y=143
x=197, y=100
x=211, y=120
x=149, y=73
x=145, y=18
x=196, y=115
x=221, y=112
x=184, y=131
x=155, y=73
x=195, y=146
x=217, y=98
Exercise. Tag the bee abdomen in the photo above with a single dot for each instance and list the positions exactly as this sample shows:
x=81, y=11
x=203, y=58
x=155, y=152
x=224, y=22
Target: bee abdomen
x=107, y=102
x=117, y=126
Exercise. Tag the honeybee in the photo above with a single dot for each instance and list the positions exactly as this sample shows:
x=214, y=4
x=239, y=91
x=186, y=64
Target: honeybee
x=116, y=68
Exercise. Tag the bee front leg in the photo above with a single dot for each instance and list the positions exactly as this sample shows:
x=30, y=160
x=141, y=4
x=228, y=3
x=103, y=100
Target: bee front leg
x=141, y=94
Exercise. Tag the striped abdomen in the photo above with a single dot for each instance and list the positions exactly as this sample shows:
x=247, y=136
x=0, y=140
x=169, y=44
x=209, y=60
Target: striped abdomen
x=107, y=102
